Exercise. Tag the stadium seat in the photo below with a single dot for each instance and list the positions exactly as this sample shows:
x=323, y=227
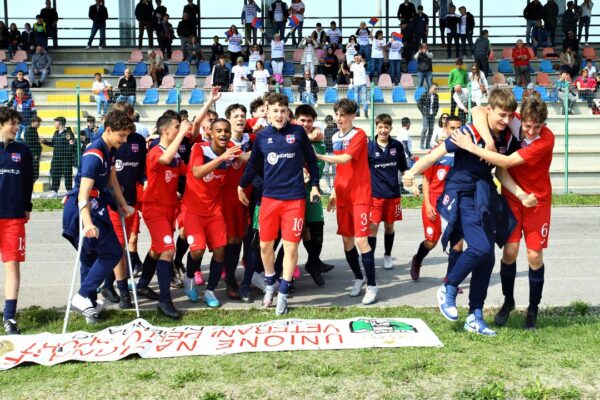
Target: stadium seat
x=320, y=55
x=406, y=81
x=2, y=55
x=412, y=67
x=3, y=96
x=19, y=56
x=196, y=97
x=145, y=82
x=177, y=56
x=183, y=69
x=589, y=52
x=350, y=94
x=321, y=80
x=203, y=69
x=288, y=92
x=119, y=69
x=492, y=55
x=140, y=69
x=498, y=79
x=546, y=53
x=208, y=82
x=419, y=92
x=339, y=53
x=518, y=92
x=505, y=67
x=20, y=67
x=168, y=82
x=546, y=66
x=542, y=79
x=507, y=53
x=3, y=81
x=531, y=53
x=172, y=96
x=136, y=56
x=377, y=95
x=151, y=96
x=3, y=70
x=269, y=67
x=298, y=55
x=543, y=93
x=331, y=95
x=398, y=95
x=189, y=82
x=288, y=69
x=385, y=81
x=159, y=53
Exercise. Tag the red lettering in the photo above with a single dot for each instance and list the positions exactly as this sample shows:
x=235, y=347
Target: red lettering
x=248, y=342
x=225, y=344
x=314, y=340
x=100, y=352
x=340, y=338
x=23, y=353
x=193, y=335
x=333, y=327
x=161, y=347
x=223, y=332
x=187, y=346
x=274, y=341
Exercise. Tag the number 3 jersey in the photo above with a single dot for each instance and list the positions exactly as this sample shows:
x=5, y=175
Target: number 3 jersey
x=352, y=180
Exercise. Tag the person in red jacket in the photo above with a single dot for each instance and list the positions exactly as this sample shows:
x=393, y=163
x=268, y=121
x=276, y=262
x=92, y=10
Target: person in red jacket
x=521, y=57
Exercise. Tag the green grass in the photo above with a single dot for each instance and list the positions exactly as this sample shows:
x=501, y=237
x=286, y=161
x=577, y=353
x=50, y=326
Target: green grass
x=558, y=361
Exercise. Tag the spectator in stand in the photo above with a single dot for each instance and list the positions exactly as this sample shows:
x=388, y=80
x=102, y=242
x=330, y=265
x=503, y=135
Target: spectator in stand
x=127, y=88
x=330, y=64
x=50, y=17
x=221, y=76
x=309, y=55
x=585, y=19
x=235, y=43
x=404, y=138
x=277, y=56
x=422, y=25
x=424, y=66
x=32, y=140
x=442, y=5
x=159, y=12
x=479, y=85
x=14, y=40
x=91, y=130
x=363, y=38
x=428, y=104
x=40, y=65
x=408, y=37
x=261, y=76
x=253, y=54
x=343, y=77
x=193, y=51
x=551, y=19
x=308, y=90
x=481, y=52
x=334, y=36
x=98, y=14
x=452, y=23
x=216, y=51
x=352, y=49
x=532, y=13
x=40, y=34
x=395, y=59
x=19, y=83
x=278, y=15
x=439, y=131
x=239, y=76
x=539, y=37
x=460, y=98
x=27, y=39
x=586, y=86
x=590, y=67
x=570, y=18
x=465, y=30
x=165, y=35
x=297, y=8
x=186, y=30
x=100, y=89
x=139, y=127
x=458, y=76
x=521, y=57
x=157, y=67
x=530, y=92
x=143, y=14
x=249, y=12
x=568, y=61
x=4, y=36
x=26, y=107
x=406, y=11
x=63, y=142
x=377, y=55
x=193, y=11
x=563, y=88
x=358, y=80
x=571, y=41
x=320, y=36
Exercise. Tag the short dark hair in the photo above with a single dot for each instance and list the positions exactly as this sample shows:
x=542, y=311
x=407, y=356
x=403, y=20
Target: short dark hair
x=164, y=122
x=453, y=118
x=212, y=112
x=118, y=120
x=405, y=121
x=124, y=106
x=346, y=106
x=220, y=120
x=172, y=114
x=256, y=104
x=385, y=119
x=307, y=110
x=277, y=98
x=8, y=114
x=232, y=107
x=36, y=119
x=484, y=32
x=534, y=109
x=90, y=118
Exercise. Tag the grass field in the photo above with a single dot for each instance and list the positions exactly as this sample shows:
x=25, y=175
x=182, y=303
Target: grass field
x=558, y=361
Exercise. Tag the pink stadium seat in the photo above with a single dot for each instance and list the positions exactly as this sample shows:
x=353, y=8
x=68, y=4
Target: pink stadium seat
x=189, y=82
x=589, y=52
x=20, y=56
x=385, y=81
x=298, y=55
x=159, y=53
x=208, y=82
x=531, y=53
x=542, y=79
x=2, y=55
x=145, y=82
x=168, y=82
x=340, y=55
x=507, y=53
x=177, y=56
x=492, y=55
x=136, y=56
x=3, y=81
x=321, y=80
x=320, y=55
x=406, y=81
x=546, y=53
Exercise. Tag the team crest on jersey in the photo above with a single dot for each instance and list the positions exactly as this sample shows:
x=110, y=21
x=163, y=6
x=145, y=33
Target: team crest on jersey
x=377, y=154
x=94, y=204
x=345, y=143
x=168, y=175
x=269, y=140
x=446, y=200
x=182, y=148
x=236, y=164
x=524, y=144
x=209, y=177
x=16, y=157
x=290, y=139
x=392, y=152
x=135, y=147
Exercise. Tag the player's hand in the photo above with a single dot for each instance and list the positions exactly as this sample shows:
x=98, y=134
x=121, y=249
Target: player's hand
x=126, y=210
x=91, y=231
x=306, y=175
x=461, y=139
x=430, y=212
x=415, y=190
x=185, y=127
x=27, y=215
x=242, y=196
x=528, y=200
x=408, y=179
x=315, y=194
x=232, y=152
x=331, y=205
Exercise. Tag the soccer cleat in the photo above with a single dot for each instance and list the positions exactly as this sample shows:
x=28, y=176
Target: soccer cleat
x=176, y=282
x=476, y=324
x=198, y=278
x=387, y=262
x=233, y=292
x=446, y=296
x=85, y=307
x=501, y=317
x=190, y=288
x=125, y=301
x=210, y=299
x=357, y=285
x=415, y=269
x=324, y=268
x=296, y=272
x=110, y=294
x=370, y=296
x=282, y=307
x=315, y=273
x=10, y=327
x=245, y=295
x=147, y=293
x=531, y=319
x=258, y=281
x=168, y=309
x=268, y=297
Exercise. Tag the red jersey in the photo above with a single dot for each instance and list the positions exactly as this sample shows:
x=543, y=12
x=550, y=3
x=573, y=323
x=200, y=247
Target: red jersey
x=353, y=179
x=203, y=196
x=162, y=179
x=436, y=174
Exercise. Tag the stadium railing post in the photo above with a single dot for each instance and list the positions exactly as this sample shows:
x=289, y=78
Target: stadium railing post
x=277, y=87
x=372, y=118
x=566, y=167
x=78, y=110
x=178, y=88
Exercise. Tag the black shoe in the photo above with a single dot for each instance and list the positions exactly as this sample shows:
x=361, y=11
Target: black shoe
x=415, y=269
x=10, y=327
x=502, y=315
x=324, y=268
x=125, y=302
x=179, y=268
x=147, y=293
x=176, y=282
x=315, y=273
x=233, y=292
x=110, y=294
x=530, y=319
x=39, y=84
x=168, y=309
x=34, y=85
x=246, y=295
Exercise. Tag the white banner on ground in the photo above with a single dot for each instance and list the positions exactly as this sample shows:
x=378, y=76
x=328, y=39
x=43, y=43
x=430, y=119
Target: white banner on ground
x=148, y=341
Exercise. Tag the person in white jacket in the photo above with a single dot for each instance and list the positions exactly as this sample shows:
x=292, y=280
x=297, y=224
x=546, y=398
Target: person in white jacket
x=479, y=84
x=309, y=56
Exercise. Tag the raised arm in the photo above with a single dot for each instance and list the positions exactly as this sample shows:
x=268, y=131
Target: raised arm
x=464, y=141
x=171, y=150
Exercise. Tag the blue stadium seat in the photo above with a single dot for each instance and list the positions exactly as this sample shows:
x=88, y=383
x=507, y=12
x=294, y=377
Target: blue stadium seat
x=412, y=67
x=350, y=94
x=172, y=96
x=518, y=92
x=546, y=66
x=20, y=67
x=183, y=69
x=543, y=93
x=288, y=69
x=119, y=69
x=141, y=69
x=377, y=95
x=203, y=69
x=331, y=95
x=269, y=67
x=288, y=92
x=399, y=95
x=228, y=66
x=419, y=92
x=3, y=70
x=3, y=96
x=196, y=97
x=505, y=67
x=151, y=96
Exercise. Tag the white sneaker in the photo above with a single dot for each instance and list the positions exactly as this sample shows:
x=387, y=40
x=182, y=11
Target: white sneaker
x=258, y=280
x=52, y=194
x=370, y=295
x=282, y=307
x=85, y=307
x=586, y=44
x=357, y=285
x=87, y=47
x=268, y=297
x=387, y=262
x=99, y=47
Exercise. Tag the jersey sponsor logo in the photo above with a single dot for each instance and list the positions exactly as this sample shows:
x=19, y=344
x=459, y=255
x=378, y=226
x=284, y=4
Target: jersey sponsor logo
x=135, y=147
x=168, y=176
x=392, y=152
x=269, y=140
x=290, y=139
x=5, y=171
x=119, y=165
x=377, y=154
x=272, y=158
x=441, y=174
x=16, y=157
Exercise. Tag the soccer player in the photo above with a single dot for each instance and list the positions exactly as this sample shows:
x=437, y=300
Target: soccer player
x=89, y=201
x=474, y=212
x=279, y=154
x=351, y=196
x=386, y=158
x=528, y=162
x=433, y=187
x=16, y=186
x=258, y=110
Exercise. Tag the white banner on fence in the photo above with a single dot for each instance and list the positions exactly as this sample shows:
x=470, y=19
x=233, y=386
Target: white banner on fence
x=148, y=341
x=229, y=98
